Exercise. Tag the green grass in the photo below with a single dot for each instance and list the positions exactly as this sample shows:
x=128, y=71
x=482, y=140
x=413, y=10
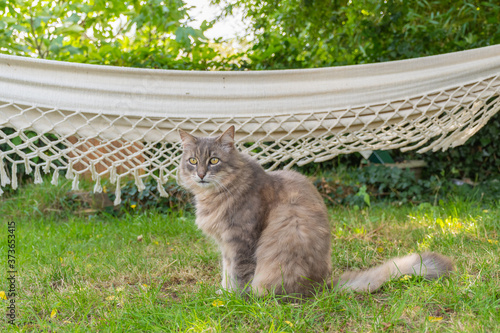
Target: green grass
x=151, y=272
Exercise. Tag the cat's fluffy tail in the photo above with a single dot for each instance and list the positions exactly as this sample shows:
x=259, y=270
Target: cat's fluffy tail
x=428, y=265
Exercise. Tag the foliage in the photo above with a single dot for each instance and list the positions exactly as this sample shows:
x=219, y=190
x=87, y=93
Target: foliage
x=132, y=199
x=316, y=33
x=478, y=159
x=377, y=183
x=154, y=33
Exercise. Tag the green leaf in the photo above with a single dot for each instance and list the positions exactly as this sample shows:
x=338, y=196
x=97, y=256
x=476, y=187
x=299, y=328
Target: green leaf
x=72, y=29
x=8, y=20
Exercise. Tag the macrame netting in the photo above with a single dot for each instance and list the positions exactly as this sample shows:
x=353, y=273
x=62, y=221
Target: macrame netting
x=73, y=119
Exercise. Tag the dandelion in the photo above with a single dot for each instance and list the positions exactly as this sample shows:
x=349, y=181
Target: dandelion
x=434, y=319
x=133, y=206
x=289, y=323
x=53, y=313
x=405, y=277
x=218, y=303
x=2, y=295
x=156, y=243
x=492, y=241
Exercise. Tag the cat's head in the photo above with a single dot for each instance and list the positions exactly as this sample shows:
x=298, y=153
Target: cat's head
x=207, y=163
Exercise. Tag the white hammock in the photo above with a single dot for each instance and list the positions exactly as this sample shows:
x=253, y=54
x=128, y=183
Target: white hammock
x=122, y=122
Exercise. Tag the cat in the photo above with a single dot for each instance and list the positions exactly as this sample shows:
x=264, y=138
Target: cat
x=272, y=228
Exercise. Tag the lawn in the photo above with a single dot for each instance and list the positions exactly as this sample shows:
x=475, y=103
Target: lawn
x=146, y=271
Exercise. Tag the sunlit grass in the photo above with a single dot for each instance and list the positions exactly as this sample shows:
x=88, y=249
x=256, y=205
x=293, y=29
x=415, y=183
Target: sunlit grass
x=147, y=272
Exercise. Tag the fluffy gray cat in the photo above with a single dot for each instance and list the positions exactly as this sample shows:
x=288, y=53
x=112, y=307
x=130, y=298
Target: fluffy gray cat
x=272, y=227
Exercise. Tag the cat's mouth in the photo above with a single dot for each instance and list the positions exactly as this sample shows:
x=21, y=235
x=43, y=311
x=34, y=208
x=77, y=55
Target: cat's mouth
x=203, y=183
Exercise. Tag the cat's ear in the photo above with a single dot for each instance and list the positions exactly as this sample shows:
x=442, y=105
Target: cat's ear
x=227, y=138
x=187, y=139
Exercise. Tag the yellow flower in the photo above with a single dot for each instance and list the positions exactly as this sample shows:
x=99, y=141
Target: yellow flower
x=217, y=303
x=405, y=277
x=133, y=206
x=156, y=243
x=2, y=295
x=433, y=319
x=289, y=323
x=492, y=241
x=380, y=249
x=53, y=313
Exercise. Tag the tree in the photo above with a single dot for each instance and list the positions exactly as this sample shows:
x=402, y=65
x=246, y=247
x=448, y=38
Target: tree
x=316, y=33
x=151, y=33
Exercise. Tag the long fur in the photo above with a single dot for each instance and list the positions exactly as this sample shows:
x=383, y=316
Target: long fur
x=429, y=265
x=272, y=227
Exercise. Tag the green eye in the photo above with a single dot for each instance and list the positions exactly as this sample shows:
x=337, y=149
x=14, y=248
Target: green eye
x=214, y=160
x=193, y=161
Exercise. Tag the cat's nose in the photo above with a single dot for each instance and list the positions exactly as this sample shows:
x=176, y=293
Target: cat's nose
x=201, y=174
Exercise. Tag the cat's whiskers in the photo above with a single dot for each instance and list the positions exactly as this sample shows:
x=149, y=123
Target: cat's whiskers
x=223, y=188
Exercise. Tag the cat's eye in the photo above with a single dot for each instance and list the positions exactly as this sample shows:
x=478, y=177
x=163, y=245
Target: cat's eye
x=193, y=161
x=214, y=160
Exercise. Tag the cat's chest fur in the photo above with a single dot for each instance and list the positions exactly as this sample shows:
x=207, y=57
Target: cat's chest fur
x=213, y=218
x=224, y=217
